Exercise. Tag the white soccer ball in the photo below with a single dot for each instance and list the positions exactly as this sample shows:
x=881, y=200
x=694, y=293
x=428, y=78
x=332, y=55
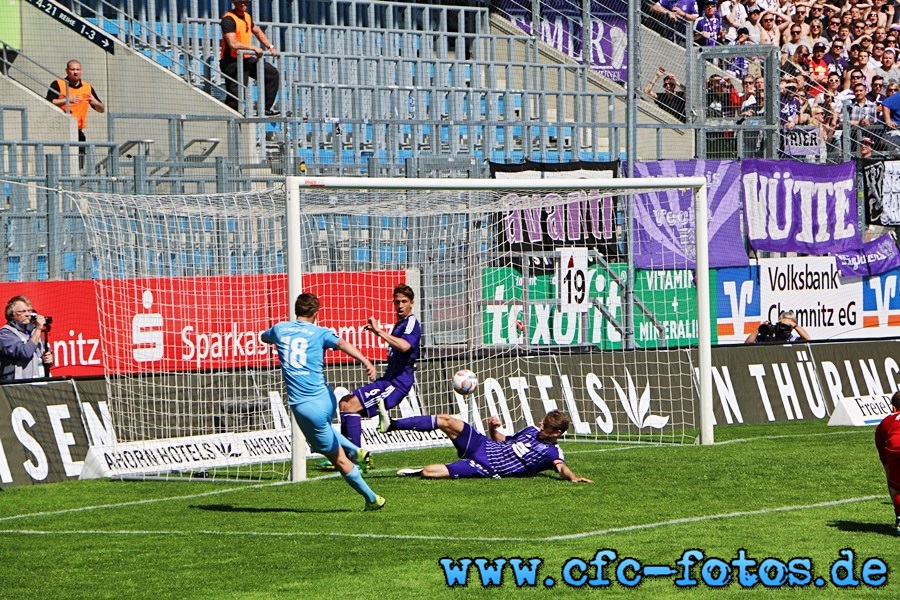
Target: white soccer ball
x=465, y=381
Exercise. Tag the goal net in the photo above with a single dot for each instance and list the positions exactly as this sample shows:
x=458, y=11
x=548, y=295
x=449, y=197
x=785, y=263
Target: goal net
x=528, y=283
x=184, y=286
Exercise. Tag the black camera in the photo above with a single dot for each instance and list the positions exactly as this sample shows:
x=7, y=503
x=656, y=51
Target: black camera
x=783, y=332
x=47, y=321
x=777, y=332
x=766, y=332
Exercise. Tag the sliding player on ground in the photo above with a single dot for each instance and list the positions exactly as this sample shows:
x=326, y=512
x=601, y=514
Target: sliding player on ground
x=528, y=452
x=887, y=441
x=398, y=378
x=301, y=348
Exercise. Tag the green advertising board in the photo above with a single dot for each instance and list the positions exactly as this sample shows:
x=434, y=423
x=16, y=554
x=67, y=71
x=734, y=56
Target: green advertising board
x=669, y=318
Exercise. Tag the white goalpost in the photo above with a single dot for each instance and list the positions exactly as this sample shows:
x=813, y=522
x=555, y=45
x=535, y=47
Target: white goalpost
x=523, y=281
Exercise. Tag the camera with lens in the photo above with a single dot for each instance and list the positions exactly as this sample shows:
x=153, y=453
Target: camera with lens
x=774, y=332
x=47, y=320
x=783, y=332
x=766, y=332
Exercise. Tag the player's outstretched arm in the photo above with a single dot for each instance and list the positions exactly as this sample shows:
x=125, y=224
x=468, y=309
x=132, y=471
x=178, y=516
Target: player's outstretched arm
x=493, y=424
x=397, y=343
x=567, y=474
x=353, y=352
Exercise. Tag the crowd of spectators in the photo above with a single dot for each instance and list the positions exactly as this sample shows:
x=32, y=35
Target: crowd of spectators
x=838, y=60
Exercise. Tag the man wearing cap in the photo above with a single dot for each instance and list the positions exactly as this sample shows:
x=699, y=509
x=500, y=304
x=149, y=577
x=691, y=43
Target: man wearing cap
x=708, y=28
x=752, y=24
x=818, y=69
x=739, y=66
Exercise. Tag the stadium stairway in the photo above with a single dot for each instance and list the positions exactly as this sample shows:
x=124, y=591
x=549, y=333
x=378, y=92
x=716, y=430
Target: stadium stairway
x=187, y=44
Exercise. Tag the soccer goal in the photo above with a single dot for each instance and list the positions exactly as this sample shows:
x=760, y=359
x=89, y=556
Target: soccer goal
x=531, y=284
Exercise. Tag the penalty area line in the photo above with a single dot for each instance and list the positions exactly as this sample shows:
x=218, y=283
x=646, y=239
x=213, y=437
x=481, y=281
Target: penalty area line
x=702, y=518
x=376, y=536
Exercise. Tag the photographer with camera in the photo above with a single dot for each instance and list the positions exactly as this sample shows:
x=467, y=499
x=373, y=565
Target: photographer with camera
x=785, y=331
x=23, y=352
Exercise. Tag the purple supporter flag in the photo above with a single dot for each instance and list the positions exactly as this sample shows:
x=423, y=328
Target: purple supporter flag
x=800, y=207
x=876, y=257
x=561, y=27
x=664, y=232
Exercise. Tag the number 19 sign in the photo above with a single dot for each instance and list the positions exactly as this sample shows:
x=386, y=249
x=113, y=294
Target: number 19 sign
x=573, y=280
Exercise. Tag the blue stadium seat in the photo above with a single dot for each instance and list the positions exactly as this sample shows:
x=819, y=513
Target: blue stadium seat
x=361, y=255
x=13, y=268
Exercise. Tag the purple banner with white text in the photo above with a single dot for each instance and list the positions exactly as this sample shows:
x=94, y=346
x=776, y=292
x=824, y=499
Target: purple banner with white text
x=664, y=232
x=561, y=28
x=876, y=257
x=800, y=207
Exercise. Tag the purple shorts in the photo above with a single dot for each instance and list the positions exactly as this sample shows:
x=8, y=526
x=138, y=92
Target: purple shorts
x=380, y=389
x=471, y=447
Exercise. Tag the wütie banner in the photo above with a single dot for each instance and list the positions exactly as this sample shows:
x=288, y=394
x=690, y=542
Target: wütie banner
x=799, y=207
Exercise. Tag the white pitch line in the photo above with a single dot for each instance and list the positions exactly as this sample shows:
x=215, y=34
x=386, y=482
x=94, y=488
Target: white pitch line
x=867, y=431
x=684, y=520
x=140, y=502
x=556, y=538
x=722, y=443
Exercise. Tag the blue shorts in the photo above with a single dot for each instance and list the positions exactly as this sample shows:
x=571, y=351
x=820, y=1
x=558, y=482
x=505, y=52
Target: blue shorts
x=380, y=389
x=314, y=417
x=471, y=447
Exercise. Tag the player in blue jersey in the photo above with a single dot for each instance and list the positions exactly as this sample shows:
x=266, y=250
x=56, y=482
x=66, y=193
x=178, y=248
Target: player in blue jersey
x=528, y=452
x=301, y=348
x=400, y=375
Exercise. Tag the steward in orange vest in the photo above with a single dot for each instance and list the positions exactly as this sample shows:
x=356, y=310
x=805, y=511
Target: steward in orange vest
x=75, y=96
x=238, y=30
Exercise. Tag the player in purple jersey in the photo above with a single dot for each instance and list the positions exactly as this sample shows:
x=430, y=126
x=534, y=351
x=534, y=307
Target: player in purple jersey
x=400, y=375
x=527, y=452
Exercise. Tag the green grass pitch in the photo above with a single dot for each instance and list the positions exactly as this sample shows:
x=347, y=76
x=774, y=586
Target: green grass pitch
x=782, y=491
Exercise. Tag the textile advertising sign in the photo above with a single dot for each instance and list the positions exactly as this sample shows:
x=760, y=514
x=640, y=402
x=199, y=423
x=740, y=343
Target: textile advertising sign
x=800, y=207
x=875, y=257
x=668, y=296
x=602, y=395
x=664, y=222
x=561, y=27
x=802, y=141
x=44, y=432
x=881, y=191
